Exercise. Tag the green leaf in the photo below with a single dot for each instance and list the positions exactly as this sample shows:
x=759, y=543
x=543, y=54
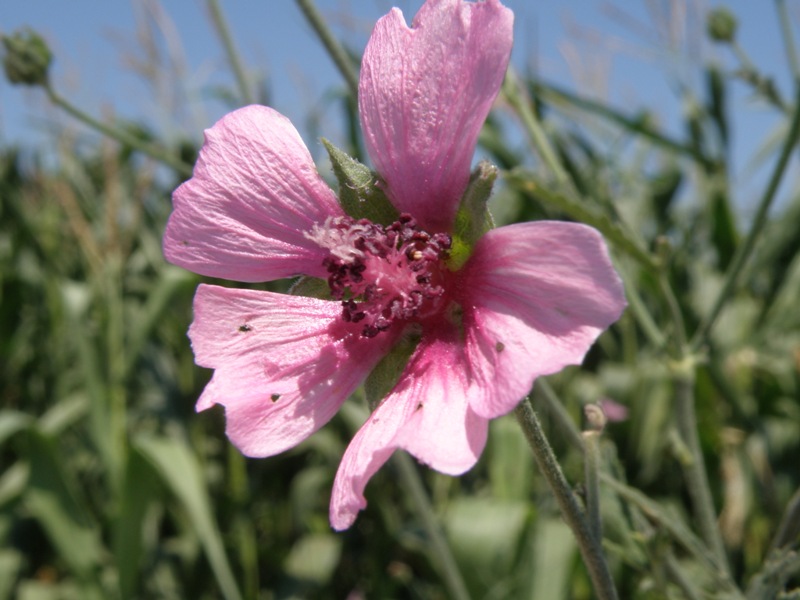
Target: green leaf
x=314, y=557
x=52, y=499
x=10, y=567
x=485, y=536
x=359, y=190
x=138, y=491
x=473, y=218
x=554, y=551
x=510, y=461
x=13, y=482
x=722, y=221
x=717, y=106
x=12, y=422
x=171, y=280
x=64, y=414
x=179, y=470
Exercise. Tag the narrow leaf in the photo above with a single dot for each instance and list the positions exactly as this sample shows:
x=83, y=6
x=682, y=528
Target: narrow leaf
x=52, y=499
x=181, y=473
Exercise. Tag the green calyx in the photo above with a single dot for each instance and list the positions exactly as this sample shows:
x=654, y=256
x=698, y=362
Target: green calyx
x=473, y=218
x=27, y=57
x=387, y=372
x=360, y=194
x=311, y=287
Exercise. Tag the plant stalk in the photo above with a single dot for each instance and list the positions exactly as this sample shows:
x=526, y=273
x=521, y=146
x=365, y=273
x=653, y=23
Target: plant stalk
x=694, y=470
x=337, y=52
x=224, y=32
x=121, y=136
x=590, y=547
x=536, y=135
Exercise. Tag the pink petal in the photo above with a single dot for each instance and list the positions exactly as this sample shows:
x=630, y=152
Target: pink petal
x=428, y=414
x=535, y=297
x=424, y=95
x=283, y=364
x=254, y=192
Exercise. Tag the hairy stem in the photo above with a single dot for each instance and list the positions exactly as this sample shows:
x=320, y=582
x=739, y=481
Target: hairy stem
x=694, y=470
x=789, y=527
x=224, y=33
x=555, y=408
x=536, y=135
x=121, y=136
x=590, y=547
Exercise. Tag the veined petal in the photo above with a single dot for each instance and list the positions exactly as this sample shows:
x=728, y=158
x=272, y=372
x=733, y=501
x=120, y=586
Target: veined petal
x=283, y=364
x=535, y=297
x=254, y=192
x=428, y=414
x=423, y=96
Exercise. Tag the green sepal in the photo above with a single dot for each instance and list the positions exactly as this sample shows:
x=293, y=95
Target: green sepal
x=360, y=194
x=473, y=218
x=311, y=287
x=387, y=372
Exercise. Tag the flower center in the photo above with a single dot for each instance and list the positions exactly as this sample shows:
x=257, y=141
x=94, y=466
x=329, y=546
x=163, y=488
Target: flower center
x=382, y=274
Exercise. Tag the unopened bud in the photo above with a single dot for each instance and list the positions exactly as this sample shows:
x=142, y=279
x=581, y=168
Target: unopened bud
x=27, y=57
x=595, y=418
x=721, y=25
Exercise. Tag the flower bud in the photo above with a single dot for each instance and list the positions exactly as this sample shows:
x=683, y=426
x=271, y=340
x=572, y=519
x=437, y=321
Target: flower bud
x=721, y=25
x=595, y=418
x=27, y=57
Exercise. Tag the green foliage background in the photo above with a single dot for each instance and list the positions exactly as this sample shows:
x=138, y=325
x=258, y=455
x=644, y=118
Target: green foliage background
x=112, y=487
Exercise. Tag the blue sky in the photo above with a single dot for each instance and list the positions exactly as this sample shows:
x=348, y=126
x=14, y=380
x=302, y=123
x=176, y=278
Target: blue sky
x=625, y=52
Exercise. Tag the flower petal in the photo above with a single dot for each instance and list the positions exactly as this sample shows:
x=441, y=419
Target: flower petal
x=428, y=414
x=254, y=192
x=283, y=364
x=423, y=96
x=535, y=297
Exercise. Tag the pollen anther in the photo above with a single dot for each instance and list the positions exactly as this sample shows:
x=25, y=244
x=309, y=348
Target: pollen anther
x=382, y=274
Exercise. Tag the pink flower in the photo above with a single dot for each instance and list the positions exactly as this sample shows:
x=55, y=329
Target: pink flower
x=530, y=299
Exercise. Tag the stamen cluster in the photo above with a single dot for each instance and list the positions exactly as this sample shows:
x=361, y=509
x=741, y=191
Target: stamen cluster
x=383, y=274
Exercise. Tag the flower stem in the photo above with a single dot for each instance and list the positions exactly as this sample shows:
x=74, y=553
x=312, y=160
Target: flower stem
x=555, y=408
x=759, y=221
x=596, y=422
x=590, y=547
x=224, y=32
x=789, y=527
x=677, y=531
x=643, y=316
x=788, y=40
x=121, y=136
x=694, y=470
x=591, y=462
x=452, y=576
x=679, y=578
x=337, y=52
x=521, y=105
